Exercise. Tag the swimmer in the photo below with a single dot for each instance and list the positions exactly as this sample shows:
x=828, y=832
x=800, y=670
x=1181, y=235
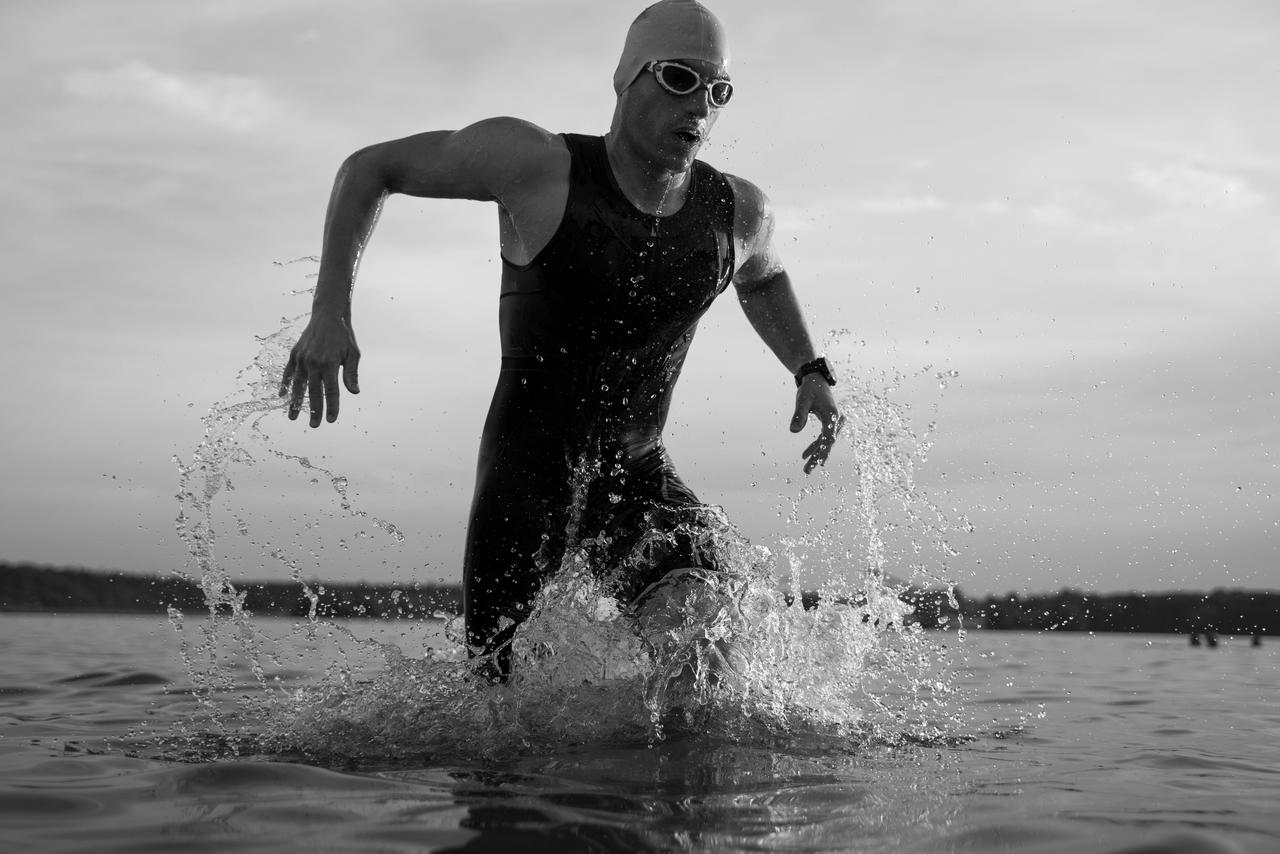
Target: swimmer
x=612, y=248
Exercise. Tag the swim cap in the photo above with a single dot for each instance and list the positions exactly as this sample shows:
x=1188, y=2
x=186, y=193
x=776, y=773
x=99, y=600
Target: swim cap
x=671, y=29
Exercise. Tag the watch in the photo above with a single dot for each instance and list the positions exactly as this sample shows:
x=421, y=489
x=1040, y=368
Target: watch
x=818, y=366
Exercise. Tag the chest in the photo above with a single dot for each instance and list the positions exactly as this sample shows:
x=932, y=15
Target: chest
x=638, y=271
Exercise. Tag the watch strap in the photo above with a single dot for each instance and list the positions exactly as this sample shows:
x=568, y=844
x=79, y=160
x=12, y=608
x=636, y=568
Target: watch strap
x=818, y=366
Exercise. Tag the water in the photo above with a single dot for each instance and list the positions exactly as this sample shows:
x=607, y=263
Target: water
x=733, y=718
x=1142, y=738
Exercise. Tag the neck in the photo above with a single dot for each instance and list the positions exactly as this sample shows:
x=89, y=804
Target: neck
x=650, y=187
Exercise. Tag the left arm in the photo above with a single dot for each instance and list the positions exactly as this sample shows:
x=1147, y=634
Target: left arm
x=770, y=304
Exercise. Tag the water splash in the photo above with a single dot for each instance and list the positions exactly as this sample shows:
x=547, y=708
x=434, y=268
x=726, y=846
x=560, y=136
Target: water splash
x=742, y=652
x=235, y=440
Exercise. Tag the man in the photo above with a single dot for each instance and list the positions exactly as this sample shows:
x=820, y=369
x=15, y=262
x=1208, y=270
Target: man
x=612, y=248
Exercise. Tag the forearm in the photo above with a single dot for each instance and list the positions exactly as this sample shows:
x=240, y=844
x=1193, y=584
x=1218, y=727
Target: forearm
x=774, y=312
x=354, y=206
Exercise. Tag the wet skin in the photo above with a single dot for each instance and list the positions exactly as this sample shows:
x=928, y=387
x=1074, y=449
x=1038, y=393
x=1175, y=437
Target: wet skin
x=654, y=139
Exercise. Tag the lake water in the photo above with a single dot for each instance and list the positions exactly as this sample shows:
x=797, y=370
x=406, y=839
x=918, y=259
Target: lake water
x=1069, y=743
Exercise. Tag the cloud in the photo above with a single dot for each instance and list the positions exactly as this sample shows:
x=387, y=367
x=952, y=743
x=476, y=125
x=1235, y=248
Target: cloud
x=1076, y=213
x=803, y=219
x=900, y=204
x=1054, y=215
x=1189, y=186
x=225, y=101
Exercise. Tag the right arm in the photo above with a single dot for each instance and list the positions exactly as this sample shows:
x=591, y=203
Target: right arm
x=770, y=304
x=498, y=160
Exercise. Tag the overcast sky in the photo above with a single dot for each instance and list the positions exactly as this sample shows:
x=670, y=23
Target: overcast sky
x=1073, y=206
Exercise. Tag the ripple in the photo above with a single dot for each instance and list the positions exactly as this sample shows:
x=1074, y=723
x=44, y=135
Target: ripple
x=35, y=806
x=135, y=679
x=244, y=776
x=1192, y=761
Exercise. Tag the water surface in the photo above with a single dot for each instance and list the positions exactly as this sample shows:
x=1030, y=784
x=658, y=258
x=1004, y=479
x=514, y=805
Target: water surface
x=1074, y=743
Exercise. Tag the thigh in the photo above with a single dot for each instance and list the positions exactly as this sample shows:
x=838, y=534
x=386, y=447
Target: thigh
x=659, y=527
x=516, y=531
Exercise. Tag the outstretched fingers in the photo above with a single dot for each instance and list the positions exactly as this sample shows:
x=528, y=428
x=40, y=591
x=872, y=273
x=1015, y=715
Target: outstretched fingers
x=350, y=374
x=315, y=396
x=330, y=395
x=324, y=348
x=820, y=448
x=332, y=391
x=297, y=379
x=286, y=377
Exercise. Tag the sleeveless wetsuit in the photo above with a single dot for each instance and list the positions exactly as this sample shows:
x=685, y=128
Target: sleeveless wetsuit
x=594, y=332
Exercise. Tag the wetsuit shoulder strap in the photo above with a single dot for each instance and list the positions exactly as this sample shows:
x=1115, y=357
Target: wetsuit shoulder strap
x=714, y=193
x=587, y=162
x=578, y=203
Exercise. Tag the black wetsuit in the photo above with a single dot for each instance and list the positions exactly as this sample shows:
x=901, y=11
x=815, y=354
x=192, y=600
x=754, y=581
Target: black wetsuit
x=594, y=332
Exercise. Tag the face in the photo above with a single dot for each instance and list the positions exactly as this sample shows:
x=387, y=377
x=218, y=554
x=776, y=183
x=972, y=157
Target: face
x=664, y=129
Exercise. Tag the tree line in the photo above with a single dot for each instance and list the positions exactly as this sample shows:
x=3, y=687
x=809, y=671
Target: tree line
x=29, y=587
x=1221, y=611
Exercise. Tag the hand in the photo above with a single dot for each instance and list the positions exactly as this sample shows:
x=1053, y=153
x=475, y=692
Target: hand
x=326, y=344
x=814, y=398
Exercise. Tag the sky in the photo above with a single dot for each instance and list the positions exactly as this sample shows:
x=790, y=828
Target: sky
x=1051, y=230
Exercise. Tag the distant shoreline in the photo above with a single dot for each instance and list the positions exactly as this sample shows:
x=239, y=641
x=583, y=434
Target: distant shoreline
x=40, y=589
x=31, y=588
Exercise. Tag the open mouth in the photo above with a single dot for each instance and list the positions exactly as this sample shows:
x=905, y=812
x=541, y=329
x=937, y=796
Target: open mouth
x=688, y=137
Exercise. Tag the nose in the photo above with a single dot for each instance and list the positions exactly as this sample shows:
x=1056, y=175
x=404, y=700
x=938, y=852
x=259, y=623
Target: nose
x=699, y=102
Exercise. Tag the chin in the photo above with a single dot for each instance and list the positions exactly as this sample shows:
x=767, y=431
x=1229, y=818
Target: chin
x=678, y=161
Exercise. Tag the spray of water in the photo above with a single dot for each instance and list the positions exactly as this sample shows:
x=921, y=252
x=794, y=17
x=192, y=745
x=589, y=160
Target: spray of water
x=741, y=652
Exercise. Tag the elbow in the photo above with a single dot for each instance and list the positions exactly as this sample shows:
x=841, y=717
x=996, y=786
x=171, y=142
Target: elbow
x=365, y=168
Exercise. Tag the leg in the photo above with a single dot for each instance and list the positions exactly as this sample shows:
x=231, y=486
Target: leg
x=669, y=569
x=514, y=539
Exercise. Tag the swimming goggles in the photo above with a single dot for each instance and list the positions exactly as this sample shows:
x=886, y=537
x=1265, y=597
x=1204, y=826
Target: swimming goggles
x=680, y=79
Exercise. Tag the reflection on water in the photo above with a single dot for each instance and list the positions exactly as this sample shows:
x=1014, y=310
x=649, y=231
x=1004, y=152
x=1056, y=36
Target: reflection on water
x=699, y=794
x=1143, y=738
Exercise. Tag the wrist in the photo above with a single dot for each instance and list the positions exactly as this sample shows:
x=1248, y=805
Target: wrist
x=331, y=305
x=816, y=368
x=332, y=294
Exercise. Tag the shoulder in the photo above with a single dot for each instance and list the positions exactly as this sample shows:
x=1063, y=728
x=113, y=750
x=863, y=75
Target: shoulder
x=508, y=129
x=484, y=160
x=510, y=142
x=748, y=198
x=509, y=158
x=752, y=227
x=753, y=213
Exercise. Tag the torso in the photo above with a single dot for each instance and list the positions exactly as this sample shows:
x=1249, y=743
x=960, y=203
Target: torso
x=604, y=313
x=595, y=326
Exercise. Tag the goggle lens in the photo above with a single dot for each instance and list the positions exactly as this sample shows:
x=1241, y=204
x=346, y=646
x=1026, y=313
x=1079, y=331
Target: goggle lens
x=679, y=79
x=682, y=80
